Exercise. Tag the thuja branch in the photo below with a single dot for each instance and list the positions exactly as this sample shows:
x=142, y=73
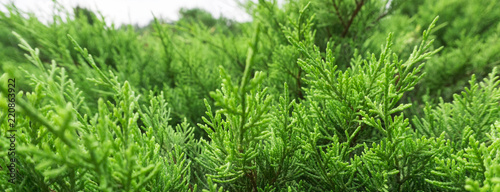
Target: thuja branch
x=163, y=42
x=31, y=112
x=242, y=93
x=245, y=79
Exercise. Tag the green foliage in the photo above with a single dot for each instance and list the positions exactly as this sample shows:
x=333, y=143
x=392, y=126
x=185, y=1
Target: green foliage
x=470, y=124
x=309, y=96
x=476, y=109
x=113, y=154
x=490, y=164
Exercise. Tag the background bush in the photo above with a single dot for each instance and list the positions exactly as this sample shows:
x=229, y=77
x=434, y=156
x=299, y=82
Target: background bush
x=320, y=95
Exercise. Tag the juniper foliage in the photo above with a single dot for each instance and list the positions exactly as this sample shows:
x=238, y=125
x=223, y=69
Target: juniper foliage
x=309, y=96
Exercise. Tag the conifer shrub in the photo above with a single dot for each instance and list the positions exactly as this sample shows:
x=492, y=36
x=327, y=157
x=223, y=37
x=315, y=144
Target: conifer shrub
x=310, y=96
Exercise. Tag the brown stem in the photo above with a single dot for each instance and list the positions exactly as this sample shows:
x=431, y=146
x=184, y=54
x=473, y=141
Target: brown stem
x=381, y=16
x=276, y=175
x=252, y=176
x=338, y=13
x=299, y=84
x=359, y=5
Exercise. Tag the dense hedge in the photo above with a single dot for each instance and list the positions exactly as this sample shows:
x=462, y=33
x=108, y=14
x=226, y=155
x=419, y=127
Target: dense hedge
x=324, y=95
